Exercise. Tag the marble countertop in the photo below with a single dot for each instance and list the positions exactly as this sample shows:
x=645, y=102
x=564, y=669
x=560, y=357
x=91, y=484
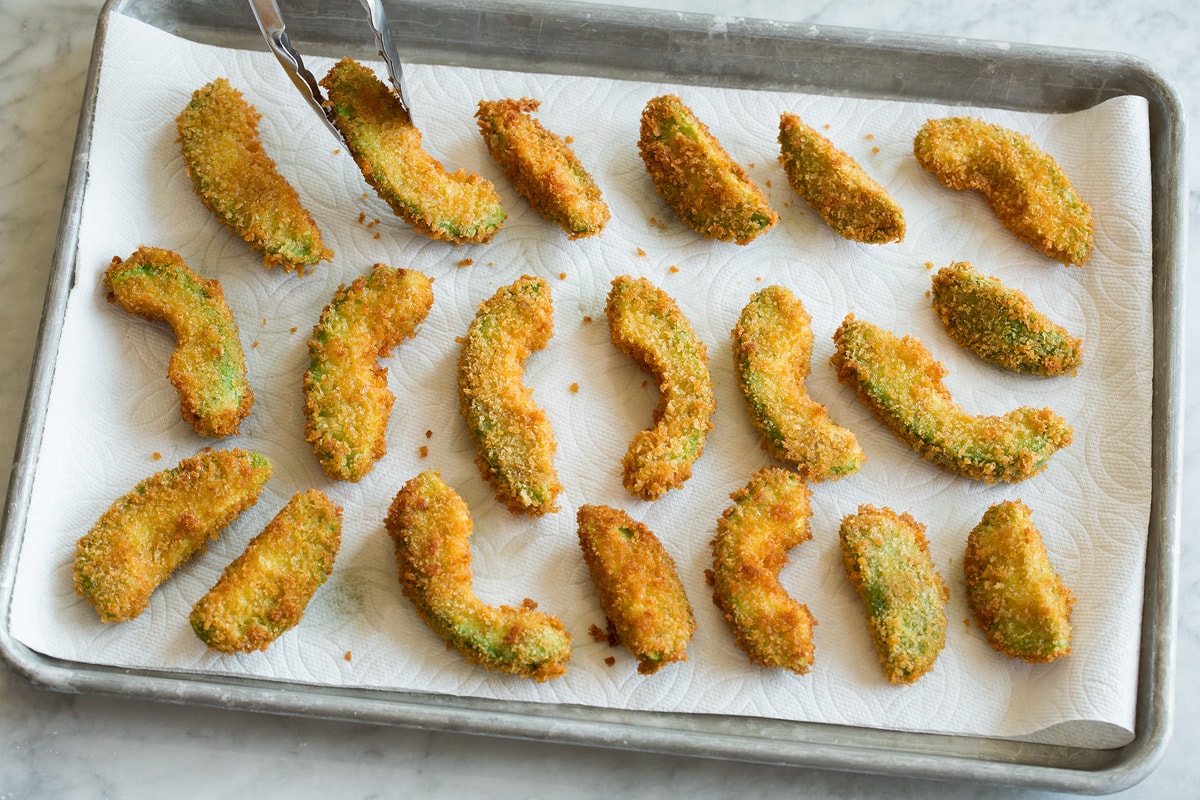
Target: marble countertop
x=67, y=746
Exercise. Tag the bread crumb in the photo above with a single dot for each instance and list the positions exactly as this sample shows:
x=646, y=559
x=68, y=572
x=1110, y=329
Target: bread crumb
x=641, y=252
x=574, y=388
x=466, y=262
x=423, y=451
x=870, y=136
x=587, y=319
x=155, y=456
x=768, y=183
x=362, y=215
x=610, y=660
x=428, y=434
x=928, y=265
x=826, y=126
x=376, y=236
x=874, y=151
x=751, y=165
x=254, y=344
x=294, y=329
x=562, y=276
x=347, y=656
x=264, y=322
x=569, y=139
x=673, y=269
x=597, y=634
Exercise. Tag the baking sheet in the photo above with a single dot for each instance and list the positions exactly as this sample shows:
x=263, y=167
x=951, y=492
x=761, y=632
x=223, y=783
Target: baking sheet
x=713, y=334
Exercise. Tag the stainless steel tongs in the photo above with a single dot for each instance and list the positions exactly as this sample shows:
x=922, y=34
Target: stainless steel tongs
x=270, y=22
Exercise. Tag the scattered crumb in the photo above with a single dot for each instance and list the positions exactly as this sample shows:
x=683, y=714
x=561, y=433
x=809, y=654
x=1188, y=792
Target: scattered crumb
x=641, y=252
x=490, y=264
x=574, y=388
x=264, y=322
x=528, y=603
x=364, y=194
x=294, y=329
x=610, y=660
x=562, y=276
x=337, y=150
x=376, y=236
x=751, y=165
x=373, y=223
x=826, y=126
x=653, y=221
x=155, y=456
x=928, y=265
x=673, y=269
x=569, y=139
x=967, y=621
x=254, y=344
x=597, y=634
x=466, y=262
x=587, y=319
x=347, y=656
x=645, y=383
x=423, y=451
x=768, y=183
x=428, y=434
x=662, y=226
x=870, y=136
x=361, y=216
x=875, y=151
x=759, y=279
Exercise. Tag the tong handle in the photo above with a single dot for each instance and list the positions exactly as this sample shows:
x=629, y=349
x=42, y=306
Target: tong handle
x=270, y=22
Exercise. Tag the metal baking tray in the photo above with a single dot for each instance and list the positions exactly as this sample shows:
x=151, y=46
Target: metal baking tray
x=687, y=49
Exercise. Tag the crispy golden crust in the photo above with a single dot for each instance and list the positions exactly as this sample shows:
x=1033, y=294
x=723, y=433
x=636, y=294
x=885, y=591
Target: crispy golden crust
x=1017, y=598
x=1000, y=324
x=899, y=380
x=513, y=439
x=240, y=184
x=208, y=366
x=646, y=325
x=847, y=198
x=638, y=586
x=769, y=516
x=346, y=399
x=455, y=207
x=1026, y=187
x=162, y=522
x=430, y=527
x=886, y=557
x=542, y=166
x=772, y=350
x=693, y=173
x=264, y=592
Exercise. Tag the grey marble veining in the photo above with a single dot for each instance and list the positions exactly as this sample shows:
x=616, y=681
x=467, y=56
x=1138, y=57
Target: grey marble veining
x=64, y=746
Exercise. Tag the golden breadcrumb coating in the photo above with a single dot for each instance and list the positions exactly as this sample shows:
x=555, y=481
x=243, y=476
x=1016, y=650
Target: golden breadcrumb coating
x=693, y=173
x=647, y=325
x=159, y=524
x=886, y=557
x=513, y=439
x=1000, y=324
x=836, y=187
x=772, y=351
x=1026, y=187
x=346, y=399
x=239, y=183
x=208, y=366
x=899, y=380
x=638, y=586
x=265, y=591
x=542, y=166
x=769, y=516
x=456, y=207
x=430, y=527
x=1017, y=598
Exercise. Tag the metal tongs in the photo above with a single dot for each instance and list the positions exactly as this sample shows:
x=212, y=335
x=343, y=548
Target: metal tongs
x=270, y=22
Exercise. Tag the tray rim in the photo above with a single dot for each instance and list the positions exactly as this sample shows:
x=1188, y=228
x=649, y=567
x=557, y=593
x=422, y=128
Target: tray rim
x=1079, y=770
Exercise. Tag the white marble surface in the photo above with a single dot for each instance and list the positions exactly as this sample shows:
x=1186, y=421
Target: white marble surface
x=67, y=746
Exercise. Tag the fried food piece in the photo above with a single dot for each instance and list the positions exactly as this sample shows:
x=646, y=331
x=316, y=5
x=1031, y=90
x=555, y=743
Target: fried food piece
x=898, y=379
x=239, y=183
x=264, y=592
x=693, y=173
x=542, y=166
x=346, y=399
x=638, y=586
x=1017, y=598
x=832, y=182
x=162, y=522
x=646, y=325
x=208, y=366
x=1026, y=187
x=772, y=351
x=886, y=556
x=769, y=516
x=1000, y=324
x=430, y=527
x=513, y=439
x=455, y=207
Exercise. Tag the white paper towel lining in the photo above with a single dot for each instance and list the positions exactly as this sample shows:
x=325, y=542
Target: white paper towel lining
x=113, y=419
